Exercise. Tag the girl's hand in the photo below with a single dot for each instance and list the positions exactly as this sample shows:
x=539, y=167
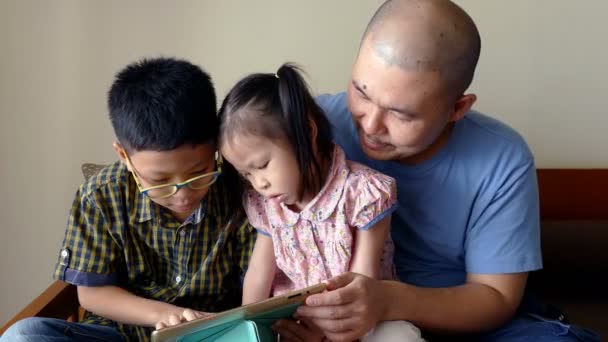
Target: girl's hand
x=171, y=318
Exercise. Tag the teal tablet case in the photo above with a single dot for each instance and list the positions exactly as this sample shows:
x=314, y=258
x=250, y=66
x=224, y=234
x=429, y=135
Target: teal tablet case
x=256, y=328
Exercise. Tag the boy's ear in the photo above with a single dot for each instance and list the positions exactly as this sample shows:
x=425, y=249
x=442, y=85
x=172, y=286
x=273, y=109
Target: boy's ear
x=120, y=151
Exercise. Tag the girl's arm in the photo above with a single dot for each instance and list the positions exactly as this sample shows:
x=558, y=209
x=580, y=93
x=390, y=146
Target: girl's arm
x=369, y=247
x=261, y=271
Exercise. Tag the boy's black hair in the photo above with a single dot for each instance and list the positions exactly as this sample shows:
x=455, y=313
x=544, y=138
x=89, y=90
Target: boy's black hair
x=280, y=106
x=162, y=103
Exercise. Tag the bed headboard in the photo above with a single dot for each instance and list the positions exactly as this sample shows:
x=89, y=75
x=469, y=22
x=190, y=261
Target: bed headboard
x=573, y=194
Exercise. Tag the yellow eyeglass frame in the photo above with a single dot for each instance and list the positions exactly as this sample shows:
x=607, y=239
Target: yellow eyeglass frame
x=175, y=186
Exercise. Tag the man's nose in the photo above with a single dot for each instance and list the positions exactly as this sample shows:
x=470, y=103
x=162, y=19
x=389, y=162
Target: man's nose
x=371, y=121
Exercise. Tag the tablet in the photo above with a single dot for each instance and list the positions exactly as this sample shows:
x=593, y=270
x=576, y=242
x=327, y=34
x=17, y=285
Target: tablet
x=267, y=311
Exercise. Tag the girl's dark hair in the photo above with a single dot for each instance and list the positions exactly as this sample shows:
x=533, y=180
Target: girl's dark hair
x=280, y=106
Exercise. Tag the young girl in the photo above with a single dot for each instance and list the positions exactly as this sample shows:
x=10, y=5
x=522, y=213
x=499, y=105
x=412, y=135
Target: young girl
x=317, y=214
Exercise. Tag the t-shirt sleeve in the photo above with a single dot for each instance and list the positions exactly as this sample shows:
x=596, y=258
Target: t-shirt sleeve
x=504, y=236
x=89, y=256
x=372, y=196
x=255, y=208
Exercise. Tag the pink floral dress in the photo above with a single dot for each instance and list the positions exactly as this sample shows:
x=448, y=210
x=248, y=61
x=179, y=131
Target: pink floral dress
x=317, y=243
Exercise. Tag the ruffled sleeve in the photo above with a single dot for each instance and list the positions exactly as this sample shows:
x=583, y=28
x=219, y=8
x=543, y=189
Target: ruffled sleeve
x=255, y=207
x=371, y=196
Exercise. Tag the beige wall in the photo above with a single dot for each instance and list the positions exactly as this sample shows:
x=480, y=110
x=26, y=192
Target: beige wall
x=543, y=70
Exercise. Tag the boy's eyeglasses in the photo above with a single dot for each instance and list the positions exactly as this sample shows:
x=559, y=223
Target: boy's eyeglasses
x=168, y=190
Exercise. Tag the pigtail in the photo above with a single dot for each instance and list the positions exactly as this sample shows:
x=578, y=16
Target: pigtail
x=293, y=96
x=300, y=112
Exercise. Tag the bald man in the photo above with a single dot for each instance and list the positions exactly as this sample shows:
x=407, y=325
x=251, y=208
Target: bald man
x=467, y=228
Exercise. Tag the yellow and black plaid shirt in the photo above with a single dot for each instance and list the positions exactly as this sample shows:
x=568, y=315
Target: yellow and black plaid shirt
x=117, y=236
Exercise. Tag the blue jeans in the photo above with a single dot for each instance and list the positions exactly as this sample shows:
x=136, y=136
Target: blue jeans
x=525, y=328
x=532, y=327
x=58, y=330
x=533, y=322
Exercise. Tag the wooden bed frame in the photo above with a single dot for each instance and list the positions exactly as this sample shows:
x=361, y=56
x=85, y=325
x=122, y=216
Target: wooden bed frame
x=565, y=194
x=573, y=194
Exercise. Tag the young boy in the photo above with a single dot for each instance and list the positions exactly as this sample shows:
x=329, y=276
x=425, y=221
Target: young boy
x=153, y=239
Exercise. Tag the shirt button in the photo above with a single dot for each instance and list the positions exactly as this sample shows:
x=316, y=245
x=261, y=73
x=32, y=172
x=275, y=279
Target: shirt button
x=64, y=253
x=178, y=279
x=182, y=233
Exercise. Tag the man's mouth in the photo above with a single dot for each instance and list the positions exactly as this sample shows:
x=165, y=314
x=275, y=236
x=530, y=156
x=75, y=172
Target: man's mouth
x=371, y=143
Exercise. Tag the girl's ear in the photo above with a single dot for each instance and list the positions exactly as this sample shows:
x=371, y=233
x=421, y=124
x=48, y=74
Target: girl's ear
x=314, y=131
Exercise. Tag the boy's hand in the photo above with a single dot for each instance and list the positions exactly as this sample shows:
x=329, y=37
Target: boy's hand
x=173, y=318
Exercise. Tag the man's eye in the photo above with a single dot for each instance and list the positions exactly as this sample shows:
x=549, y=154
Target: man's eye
x=362, y=94
x=404, y=117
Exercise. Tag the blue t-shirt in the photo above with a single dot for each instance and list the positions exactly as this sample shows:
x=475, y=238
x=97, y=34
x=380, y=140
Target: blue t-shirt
x=471, y=208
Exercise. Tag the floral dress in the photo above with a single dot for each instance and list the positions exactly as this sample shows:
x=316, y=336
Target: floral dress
x=317, y=243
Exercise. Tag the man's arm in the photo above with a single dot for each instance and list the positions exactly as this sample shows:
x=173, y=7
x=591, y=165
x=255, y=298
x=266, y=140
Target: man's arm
x=484, y=302
x=356, y=303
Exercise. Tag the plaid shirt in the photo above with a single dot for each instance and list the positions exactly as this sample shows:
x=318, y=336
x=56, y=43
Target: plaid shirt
x=117, y=236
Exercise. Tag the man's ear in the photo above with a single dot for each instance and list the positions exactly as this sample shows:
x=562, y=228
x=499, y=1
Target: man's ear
x=122, y=154
x=462, y=105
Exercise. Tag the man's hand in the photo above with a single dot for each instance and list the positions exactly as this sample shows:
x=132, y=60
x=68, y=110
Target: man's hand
x=170, y=318
x=351, y=307
x=302, y=331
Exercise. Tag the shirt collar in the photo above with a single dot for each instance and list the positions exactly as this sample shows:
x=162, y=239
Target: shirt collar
x=197, y=215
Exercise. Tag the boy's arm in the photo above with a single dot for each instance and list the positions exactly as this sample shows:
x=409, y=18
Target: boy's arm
x=120, y=305
x=90, y=259
x=369, y=247
x=261, y=271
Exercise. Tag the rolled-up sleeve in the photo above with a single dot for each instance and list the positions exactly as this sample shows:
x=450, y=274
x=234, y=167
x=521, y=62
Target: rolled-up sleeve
x=89, y=255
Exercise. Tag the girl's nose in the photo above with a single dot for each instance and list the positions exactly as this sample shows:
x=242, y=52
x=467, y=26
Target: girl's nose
x=264, y=185
x=261, y=183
